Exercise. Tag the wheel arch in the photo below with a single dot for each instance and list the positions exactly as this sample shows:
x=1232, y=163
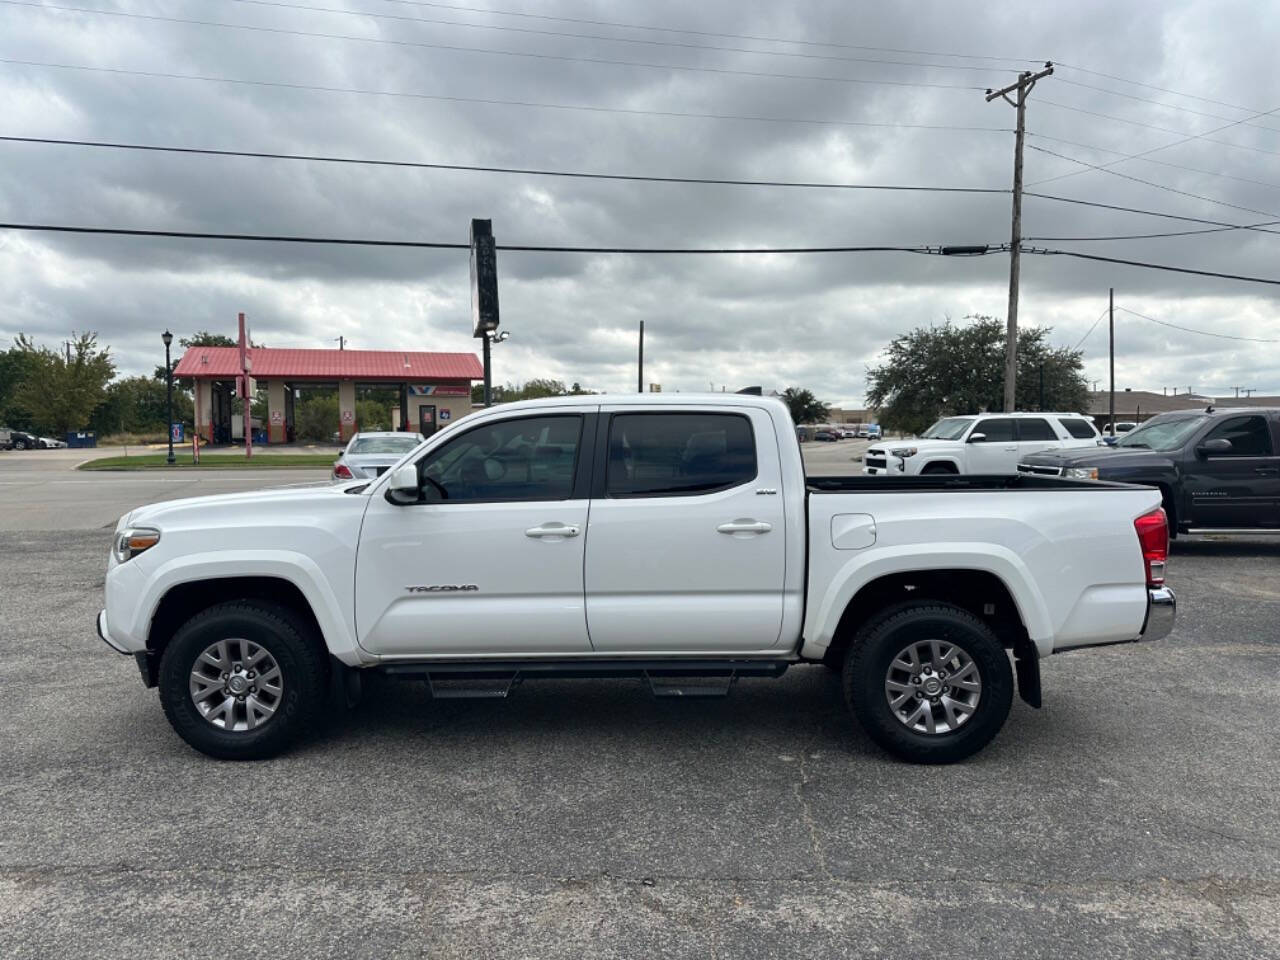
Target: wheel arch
x=941, y=465
x=979, y=592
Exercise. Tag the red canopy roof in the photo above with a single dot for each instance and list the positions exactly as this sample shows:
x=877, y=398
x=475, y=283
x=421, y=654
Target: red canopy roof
x=270, y=363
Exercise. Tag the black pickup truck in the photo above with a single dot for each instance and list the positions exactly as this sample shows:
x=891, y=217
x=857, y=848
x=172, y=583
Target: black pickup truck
x=1216, y=469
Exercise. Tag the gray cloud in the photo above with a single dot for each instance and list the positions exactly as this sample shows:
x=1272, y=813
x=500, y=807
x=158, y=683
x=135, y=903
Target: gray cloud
x=814, y=320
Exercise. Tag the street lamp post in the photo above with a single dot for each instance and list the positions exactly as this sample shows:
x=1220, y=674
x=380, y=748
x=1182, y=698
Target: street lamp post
x=167, y=337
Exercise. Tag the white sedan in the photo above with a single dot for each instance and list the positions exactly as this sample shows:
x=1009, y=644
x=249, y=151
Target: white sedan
x=369, y=455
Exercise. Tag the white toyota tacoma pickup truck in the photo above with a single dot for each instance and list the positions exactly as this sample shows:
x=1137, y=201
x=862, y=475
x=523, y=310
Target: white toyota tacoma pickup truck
x=670, y=538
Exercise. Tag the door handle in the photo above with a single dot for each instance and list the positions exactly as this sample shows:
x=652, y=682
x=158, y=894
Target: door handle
x=745, y=526
x=552, y=531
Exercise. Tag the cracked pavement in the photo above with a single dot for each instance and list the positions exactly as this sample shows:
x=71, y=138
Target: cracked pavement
x=1135, y=815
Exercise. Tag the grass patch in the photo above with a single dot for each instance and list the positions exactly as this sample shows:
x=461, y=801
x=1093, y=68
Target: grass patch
x=214, y=461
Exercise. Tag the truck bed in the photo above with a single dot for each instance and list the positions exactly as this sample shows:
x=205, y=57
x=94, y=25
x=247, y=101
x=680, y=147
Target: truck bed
x=952, y=482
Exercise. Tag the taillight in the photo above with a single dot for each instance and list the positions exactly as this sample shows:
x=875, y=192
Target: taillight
x=1153, y=538
x=342, y=472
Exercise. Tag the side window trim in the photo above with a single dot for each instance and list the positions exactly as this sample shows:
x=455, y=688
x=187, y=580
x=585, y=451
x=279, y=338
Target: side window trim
x=600, y=484
x=577, y=467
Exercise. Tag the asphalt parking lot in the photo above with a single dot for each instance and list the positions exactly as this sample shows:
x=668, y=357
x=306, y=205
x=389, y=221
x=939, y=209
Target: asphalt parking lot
x=1135, y=815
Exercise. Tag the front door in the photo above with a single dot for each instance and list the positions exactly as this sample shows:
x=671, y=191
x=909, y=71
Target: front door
x=996, y=450
x=489, y=561
x=687, y=547
x=1239, y=487
x=427, y=419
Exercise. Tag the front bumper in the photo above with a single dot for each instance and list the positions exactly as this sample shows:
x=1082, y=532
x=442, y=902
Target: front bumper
x=1162, y=606
x=147, y=662
x=105, y=636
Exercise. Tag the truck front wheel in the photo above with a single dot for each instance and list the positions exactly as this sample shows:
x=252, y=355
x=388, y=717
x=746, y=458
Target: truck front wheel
x=242, y=680
x=929, y=682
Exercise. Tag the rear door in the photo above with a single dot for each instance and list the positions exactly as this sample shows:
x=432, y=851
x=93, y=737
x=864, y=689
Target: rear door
x=1238, y=488
x=1036, y=435
x=686, y=550
x=997, y=450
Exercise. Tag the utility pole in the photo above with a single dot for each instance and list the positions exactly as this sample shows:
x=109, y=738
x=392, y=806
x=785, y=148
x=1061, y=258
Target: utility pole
x=1111, y=324
x=640, y=375
x=1025, y=82
x=342, y=342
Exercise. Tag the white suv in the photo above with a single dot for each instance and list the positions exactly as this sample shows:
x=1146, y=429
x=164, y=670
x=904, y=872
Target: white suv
x=987, y=443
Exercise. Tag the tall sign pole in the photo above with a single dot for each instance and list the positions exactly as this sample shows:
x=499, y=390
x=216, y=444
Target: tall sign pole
x=1026, y=80
x=640, y=374
x=484, y=294
x=246, y=368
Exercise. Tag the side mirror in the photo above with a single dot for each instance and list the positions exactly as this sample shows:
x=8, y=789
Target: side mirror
x=976, y=438
x=1210, y=447
x=403, y=487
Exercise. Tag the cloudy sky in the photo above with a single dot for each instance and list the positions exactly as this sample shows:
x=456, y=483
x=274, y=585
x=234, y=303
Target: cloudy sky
x=847, y=92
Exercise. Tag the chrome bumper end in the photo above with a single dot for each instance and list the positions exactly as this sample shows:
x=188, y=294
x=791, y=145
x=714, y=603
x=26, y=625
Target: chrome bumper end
x=1161, y=608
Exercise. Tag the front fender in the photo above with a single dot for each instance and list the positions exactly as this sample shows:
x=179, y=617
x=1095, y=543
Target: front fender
x=336, y=621
x=861, y=570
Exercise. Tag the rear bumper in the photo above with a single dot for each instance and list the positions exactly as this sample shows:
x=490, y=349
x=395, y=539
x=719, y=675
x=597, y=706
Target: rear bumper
x=1162, y=607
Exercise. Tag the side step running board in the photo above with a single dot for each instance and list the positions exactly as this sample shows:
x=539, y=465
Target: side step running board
x=666, y=678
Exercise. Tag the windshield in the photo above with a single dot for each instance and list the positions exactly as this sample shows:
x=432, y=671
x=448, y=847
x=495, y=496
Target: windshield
x=396, y=445
x=1162, y=433
x=952, y=428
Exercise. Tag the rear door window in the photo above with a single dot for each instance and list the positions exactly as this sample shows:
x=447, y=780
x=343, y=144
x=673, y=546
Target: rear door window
x=678, y=454
x=1035, y=428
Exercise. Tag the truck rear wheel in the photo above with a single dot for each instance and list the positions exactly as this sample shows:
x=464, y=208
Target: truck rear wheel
x=929, y=682
x=242, y=680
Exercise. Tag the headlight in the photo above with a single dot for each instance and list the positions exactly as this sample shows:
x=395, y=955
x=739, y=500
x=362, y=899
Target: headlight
x=1081, y=473
x=904, y=452
x=132, y=541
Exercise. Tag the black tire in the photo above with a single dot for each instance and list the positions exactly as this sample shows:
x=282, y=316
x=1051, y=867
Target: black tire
x=20, y=445
x=935, y=469
x=303, y=665
x=868, y=662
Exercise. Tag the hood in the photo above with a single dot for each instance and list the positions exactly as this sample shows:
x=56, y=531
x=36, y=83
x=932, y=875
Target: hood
x=1100, y=457
x=258, y=501
x=931, y=444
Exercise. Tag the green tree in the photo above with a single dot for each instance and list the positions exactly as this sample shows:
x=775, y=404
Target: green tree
x=61, y=391
x=139, y=405
x=804, y=406
x=959, y=369
x=15, y=365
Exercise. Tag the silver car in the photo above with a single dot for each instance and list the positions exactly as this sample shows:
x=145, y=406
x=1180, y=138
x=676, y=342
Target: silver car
x=369, y=455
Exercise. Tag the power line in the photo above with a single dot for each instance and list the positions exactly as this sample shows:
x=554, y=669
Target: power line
x=1185, y=139
x=439, y=245
x=1159, y=163
x=702, y=33
x=526, y=171
x=1151, y=183
x=1150, y=266
x=562, y=58
x=283, y=85
x=1157, y=236
x=1220, y=226
x=1091, y=329
x=548, y=248
x=507, y=28
x=1154, y=126
x=1203, y=333
x=1167, y=106
x=1146, y=213
x=650, y=178
x=1152, y=86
